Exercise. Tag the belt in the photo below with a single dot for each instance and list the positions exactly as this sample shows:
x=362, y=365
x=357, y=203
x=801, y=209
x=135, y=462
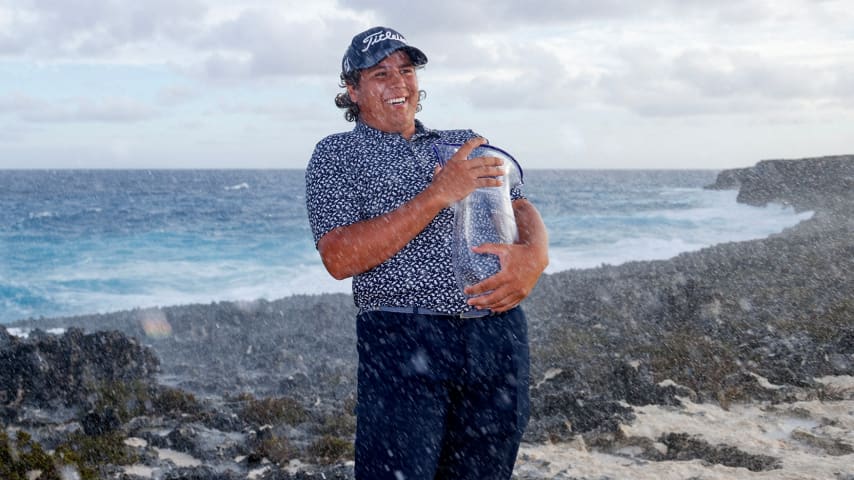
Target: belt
x=428, y=311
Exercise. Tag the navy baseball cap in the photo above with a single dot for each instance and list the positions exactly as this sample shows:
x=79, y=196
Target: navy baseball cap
x=373, y=45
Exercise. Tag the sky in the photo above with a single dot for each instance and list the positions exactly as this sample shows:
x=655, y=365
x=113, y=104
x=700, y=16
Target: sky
x=558, y=83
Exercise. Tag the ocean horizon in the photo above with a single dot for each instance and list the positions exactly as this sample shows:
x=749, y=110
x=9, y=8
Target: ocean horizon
x=76, y=242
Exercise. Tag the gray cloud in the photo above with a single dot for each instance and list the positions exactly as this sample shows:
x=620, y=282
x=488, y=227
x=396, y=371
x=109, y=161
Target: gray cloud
x=479, y=16
x=255, y=42
x=84, y=28
x=718, y=81
x=717, y=73
x=176, y=95
x=634, y=72
x=444, y=16
x=542, y=82
x=261, y=43
x=108, y=110
x=281, y=110
x=638, y=72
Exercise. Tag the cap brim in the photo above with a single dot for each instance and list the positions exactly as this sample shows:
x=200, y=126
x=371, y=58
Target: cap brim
x=417, y=56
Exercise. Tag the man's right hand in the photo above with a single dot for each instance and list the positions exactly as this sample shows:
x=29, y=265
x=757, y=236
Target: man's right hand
x=461, y=175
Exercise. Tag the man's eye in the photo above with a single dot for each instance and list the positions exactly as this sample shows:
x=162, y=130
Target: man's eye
x=380, y=74
x=407, y=71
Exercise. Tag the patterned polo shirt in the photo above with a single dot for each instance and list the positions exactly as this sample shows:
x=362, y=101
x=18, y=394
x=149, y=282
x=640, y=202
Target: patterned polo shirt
x=365, y=173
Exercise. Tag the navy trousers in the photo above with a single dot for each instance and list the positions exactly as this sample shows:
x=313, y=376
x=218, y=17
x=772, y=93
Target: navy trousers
x=439, y=397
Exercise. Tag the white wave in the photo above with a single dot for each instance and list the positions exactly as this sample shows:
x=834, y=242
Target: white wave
x=21, y=332
x=716, y=219
x=239, y=186
x=619, y=252
x=163, y=283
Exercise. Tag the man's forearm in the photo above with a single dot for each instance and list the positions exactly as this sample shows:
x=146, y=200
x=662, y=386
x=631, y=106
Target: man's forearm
x=532, y=231
x=359, y=247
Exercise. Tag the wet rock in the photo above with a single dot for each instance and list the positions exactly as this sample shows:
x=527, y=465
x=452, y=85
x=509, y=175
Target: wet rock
x=824, y=182
x=225, y=421
x=681, y=446
x=100, y=422
x=182, y=439
x=831, y=446
x=575, y=414
x=729, y=179
x=567, y=404
x=341, y=472
x=635, y=383
x=50, y=370
x=6, y=339
x=201, y=473
x=297, y=382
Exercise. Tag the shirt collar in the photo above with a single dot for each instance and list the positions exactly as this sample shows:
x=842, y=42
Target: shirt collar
x=420, y=131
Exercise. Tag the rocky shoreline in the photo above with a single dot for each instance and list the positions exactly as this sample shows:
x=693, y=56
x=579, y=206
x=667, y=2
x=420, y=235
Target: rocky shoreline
x=265, y=389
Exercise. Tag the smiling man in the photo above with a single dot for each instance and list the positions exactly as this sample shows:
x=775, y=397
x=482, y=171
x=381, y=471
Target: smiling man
x=387, y=95
x=439, y=396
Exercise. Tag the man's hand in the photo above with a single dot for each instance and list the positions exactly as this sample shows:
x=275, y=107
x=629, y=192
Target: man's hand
x=519, y=273
x=522, y=263
x=461, y=176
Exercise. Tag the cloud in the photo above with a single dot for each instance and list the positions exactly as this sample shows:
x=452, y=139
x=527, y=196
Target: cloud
x=590, y=66
x=662, y=66
x=94, y=28
x=207, y=39
x=493, y=16
x=264, y=42
x=176, y=94
x=715, y=81
x=101, y=110
x=537, y=80
x=490, y=16
x=720, y=73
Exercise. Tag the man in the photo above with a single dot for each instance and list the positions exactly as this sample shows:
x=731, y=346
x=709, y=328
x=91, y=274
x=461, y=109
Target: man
x=439, y=396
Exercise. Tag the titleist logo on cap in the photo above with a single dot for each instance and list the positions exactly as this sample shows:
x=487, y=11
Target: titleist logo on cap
x=378, y=37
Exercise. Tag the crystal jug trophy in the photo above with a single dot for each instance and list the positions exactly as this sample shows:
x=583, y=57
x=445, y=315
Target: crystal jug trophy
x=483, y=216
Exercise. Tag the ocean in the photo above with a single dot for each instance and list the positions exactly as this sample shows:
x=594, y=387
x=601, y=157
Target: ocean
x=94, y=241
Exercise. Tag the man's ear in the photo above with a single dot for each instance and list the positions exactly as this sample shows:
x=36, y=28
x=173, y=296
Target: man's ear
x=353, y=92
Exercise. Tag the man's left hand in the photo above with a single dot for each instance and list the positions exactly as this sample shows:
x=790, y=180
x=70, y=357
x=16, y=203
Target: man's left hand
x=520, y=269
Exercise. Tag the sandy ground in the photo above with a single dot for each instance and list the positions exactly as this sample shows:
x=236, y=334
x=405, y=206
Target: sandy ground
x=810, y=438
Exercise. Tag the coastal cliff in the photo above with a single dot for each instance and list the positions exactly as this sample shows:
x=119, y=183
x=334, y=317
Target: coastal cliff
x=822, y=183
x=244, y=387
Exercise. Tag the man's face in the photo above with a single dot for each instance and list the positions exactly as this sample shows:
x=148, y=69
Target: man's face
x=387, y=95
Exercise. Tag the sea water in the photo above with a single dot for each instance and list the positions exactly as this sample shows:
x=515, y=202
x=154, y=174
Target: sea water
x=93, y=241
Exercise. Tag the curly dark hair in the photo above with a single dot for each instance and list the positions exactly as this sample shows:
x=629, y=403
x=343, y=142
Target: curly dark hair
x=351, y=109
x=343, y=100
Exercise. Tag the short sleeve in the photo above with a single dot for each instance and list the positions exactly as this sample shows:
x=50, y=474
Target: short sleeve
x=331, y=198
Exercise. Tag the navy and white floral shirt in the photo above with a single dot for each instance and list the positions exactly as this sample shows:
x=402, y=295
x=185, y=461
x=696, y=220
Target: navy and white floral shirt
x=365, y=173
